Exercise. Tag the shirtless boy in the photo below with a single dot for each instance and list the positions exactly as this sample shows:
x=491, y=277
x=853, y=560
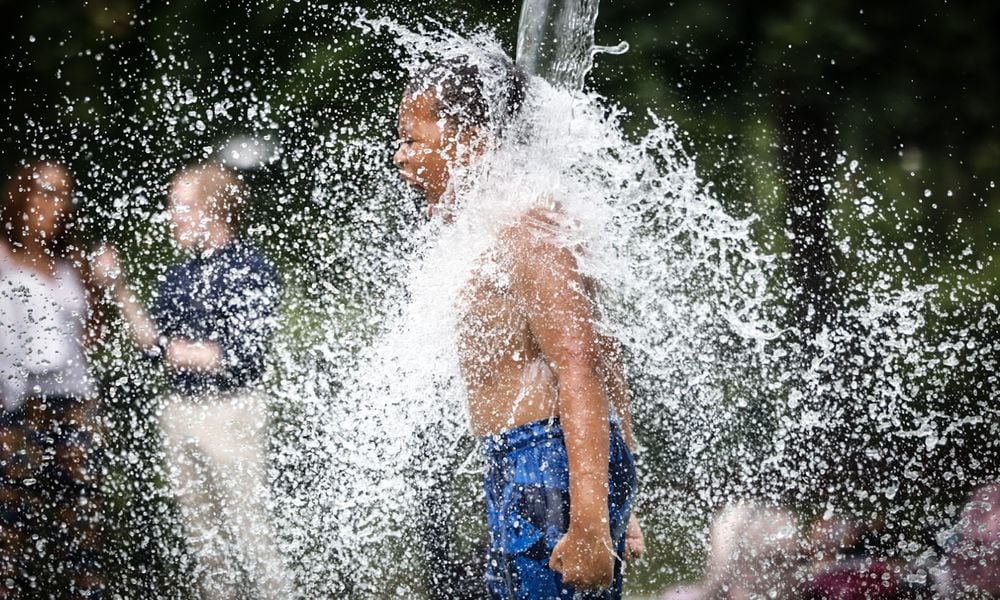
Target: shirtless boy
x=560, y=480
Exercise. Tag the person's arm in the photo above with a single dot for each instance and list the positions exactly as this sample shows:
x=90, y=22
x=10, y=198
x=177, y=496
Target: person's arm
x=179, y=353
x=560, y=316
x=187, y=355
x=616, y=384
x=96, y=322
x=106, y=272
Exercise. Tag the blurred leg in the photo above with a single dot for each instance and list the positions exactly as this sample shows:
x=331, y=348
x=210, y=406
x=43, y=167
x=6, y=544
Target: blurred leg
x=78, y=469
x=44, y=550
x=193, y=477
x=15, y=501
x=226, y=436
x=239, y=451
x=57, y=487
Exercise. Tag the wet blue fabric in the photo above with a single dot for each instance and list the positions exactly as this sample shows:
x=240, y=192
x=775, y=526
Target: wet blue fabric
x=527, y=505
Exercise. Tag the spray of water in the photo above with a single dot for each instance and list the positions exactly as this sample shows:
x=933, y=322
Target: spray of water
x=733, y=400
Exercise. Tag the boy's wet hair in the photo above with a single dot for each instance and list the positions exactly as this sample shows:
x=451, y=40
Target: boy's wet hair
x=488, y=93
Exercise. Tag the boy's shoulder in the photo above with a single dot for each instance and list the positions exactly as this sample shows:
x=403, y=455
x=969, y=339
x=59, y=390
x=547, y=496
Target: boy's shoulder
x=537, y=226
x=244, y=259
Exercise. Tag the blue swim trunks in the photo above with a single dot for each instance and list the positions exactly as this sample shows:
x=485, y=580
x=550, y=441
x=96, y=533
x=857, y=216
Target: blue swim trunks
x=527, y=505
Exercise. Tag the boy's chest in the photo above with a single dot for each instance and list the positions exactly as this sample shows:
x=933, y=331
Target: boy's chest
x=492, y=324
x=205, y=293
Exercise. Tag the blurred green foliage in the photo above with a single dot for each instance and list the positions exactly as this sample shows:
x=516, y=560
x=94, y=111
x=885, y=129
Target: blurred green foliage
x=768, y=94
x=907, y=90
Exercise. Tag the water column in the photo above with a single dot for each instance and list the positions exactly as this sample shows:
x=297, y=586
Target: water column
x=555, y=40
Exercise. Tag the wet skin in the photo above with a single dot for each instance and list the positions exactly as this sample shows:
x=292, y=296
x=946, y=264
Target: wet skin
x=527, y=343
x=45, y=213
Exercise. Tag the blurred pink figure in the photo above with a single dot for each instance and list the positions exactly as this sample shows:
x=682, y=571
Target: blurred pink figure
x=975, y=560
x=842, y=567
x=754, y=552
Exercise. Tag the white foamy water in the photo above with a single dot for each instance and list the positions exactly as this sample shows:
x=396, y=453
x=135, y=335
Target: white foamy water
x=733, y=401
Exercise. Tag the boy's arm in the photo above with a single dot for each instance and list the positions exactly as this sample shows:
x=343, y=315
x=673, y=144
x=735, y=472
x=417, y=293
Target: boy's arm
x=180, y=354
x=560, y=315
x=616, y=385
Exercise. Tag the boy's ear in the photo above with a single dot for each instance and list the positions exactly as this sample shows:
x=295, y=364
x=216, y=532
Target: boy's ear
x=471, y=139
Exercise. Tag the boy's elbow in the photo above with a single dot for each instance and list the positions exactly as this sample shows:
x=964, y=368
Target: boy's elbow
x=580, y=378
x=580, y=361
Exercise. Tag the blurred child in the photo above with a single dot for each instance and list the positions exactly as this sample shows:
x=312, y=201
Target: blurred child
x=210, y=324
x=50, y=517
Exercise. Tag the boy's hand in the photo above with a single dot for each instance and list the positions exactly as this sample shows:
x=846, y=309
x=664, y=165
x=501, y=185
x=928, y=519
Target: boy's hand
x=105, y=268
x=635, y=542
x=194, y=356
x=585, y=558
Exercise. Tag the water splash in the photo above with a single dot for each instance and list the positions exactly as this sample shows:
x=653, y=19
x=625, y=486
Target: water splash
x=555, y=40
x=733, y=400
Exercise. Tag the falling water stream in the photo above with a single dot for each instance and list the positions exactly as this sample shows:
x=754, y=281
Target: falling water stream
x=555, y=40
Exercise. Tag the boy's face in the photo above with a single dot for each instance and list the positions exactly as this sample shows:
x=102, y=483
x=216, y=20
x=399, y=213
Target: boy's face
x=191, y=221
x=48, y=204
x=428, y=148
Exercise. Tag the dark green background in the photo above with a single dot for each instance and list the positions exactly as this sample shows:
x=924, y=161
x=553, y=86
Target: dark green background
x=768, y=95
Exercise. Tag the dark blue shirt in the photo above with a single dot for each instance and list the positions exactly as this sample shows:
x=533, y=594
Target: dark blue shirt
x=228, y=297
